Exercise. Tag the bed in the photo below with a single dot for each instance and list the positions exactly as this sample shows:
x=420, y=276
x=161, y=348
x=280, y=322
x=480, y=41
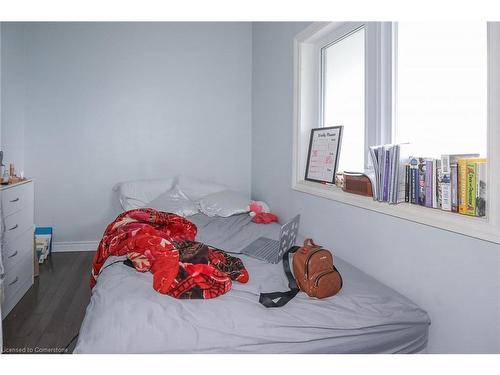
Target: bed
x=125, y=314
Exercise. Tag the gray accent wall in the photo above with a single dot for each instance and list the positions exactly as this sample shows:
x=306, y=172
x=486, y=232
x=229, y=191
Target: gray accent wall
x=107, y=102
x=454, y=277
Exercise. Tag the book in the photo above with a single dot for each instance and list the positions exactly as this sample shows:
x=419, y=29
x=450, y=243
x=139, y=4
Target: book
x=381, y=173
x=393, y=174
x=389, y=163
x=447, y=161
x=454, y=187
x=470, y=197
x=378, y=161
x=429, y=168
x=414, y=185
x=445, y=182
x=481, y=186
x=401, y=158
x=439, y=178
x=375, y=166
x=387, y=168
x=42, y=247
x=413, y=180
x=407, y=183
x=462, y=184
x=421, y=182
x=43, y=243
x=435, y=195
x=381, y=156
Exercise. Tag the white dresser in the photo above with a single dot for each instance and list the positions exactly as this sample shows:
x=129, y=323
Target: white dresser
x=17, y=241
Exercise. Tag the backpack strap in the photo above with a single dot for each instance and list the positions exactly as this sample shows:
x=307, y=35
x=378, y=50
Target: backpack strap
x=283, y=297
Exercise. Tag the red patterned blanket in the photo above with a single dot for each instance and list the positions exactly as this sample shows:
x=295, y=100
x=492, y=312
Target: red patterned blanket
x=163, y=243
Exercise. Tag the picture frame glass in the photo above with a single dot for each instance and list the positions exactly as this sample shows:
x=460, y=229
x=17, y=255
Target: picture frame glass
x=323, y=154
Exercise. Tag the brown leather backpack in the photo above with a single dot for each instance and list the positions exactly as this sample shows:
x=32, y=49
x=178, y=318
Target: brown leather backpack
x=314, y=271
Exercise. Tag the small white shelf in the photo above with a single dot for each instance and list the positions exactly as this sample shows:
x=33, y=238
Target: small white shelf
x=476, y=227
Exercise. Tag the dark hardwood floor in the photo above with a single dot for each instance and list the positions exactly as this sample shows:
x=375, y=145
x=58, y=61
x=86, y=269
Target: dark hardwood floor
x=51, y=312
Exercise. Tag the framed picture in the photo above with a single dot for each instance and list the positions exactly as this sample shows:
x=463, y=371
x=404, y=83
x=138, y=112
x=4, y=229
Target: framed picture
x=323, y=155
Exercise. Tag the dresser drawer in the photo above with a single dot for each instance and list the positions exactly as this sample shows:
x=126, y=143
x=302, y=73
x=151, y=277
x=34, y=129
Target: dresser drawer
x=18, y=223
x=16, y=198
x=18, y=249
x=18, y=276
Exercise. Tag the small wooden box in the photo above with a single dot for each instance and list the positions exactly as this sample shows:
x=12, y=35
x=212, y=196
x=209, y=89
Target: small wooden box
x=357, y=183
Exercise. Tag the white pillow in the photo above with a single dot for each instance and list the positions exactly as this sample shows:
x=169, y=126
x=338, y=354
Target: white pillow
x=224, y=203
x=137, y=193
x=195, y=188
x=174, y=201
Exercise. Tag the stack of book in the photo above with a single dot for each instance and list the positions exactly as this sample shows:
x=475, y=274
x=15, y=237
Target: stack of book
x=389, y=163
x=42, y=248
x=43, y=243
x=454, y=183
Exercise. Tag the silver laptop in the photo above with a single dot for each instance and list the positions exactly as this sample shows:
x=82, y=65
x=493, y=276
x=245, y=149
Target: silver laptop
x=272, y=250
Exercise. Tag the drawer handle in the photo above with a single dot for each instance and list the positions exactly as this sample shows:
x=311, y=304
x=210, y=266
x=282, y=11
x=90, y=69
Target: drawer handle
x=13, y=282
x=14, y=200
x=14, y=227
x=13, y=255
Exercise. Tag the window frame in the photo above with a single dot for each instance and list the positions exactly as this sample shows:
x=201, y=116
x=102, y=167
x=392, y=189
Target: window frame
x=378, y=75
x=379, y=119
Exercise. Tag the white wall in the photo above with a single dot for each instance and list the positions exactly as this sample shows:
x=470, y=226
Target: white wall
x=13, y=94
x=455, y=278
x=107, y=102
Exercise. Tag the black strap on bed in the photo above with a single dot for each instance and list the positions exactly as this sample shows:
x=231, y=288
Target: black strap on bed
x=282, y=298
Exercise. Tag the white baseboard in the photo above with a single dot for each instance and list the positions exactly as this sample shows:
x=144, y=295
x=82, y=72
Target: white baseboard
x=61, y=247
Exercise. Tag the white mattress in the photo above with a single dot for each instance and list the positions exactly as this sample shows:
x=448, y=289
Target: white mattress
x=126, y=315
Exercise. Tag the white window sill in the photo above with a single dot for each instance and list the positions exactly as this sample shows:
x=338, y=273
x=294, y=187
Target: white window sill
x=470, y=226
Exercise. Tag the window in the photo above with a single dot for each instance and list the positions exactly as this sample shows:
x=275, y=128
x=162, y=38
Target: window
x=441, y=87
x=341, y=70
x=435, y=85
x=343, y=95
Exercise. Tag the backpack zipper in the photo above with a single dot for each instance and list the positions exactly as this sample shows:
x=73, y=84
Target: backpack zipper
x=306, y=271
x=316, y=282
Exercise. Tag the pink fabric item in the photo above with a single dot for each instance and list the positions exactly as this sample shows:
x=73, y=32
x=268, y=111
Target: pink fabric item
x=264, y=218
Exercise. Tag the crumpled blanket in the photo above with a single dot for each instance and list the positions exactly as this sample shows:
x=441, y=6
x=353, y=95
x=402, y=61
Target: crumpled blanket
x=164, y=244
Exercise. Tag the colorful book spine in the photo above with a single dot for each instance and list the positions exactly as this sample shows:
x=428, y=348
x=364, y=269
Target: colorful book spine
x=386, y=175
x=414, y=185
x=421, y=183
x=381, y=162
x=462, y=185
x=454, y=187
x=414, y=181
x=428, y=182
x=435, y=184
x=439, y=178
x=454, y=182
x=445, y=183
x=466, y=177
x=407, y=183
x=481, y=186
x=471, y=189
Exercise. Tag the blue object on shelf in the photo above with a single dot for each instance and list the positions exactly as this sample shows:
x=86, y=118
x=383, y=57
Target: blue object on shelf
x=45, y=230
